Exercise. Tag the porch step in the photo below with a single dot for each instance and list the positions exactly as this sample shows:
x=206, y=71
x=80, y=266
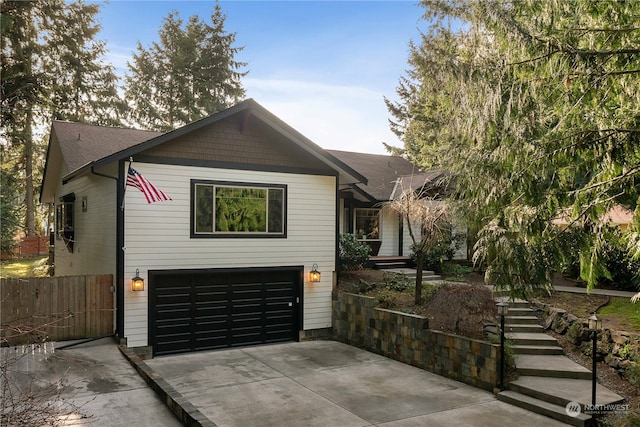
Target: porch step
x=387, y=262
x=550, y=366
x=538, y=350
x=538, y=406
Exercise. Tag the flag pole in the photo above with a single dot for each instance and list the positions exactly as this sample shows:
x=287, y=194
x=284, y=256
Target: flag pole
x=124, y=190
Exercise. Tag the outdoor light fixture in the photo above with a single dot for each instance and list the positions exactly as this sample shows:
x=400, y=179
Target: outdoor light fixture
x=314, y=274
x=595, y=325
x=137, y=283
x=503, y=308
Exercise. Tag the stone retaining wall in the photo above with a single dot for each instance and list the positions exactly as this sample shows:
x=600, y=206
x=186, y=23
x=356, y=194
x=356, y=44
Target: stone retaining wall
x=407, y=338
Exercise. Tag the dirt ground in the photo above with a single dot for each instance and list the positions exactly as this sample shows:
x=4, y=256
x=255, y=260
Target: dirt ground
x=581, y=305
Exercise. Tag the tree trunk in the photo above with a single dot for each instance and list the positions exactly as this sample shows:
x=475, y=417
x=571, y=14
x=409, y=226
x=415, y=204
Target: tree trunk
x=420, y=256
x=28, y=171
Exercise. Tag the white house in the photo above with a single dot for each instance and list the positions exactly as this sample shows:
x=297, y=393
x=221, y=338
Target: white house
x=254, y=207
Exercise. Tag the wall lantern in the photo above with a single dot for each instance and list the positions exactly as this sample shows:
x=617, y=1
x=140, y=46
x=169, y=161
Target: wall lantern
x=314, y=274
x=137, y=283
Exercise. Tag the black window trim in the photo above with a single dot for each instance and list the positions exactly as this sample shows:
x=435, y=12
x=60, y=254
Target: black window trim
x=236, y=235
x=65, y=207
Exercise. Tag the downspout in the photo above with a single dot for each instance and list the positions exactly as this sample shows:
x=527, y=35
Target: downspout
x=118, y=285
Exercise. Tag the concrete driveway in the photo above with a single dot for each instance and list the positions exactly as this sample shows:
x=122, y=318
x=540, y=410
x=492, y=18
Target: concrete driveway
x=91, y=385
x=326, y=383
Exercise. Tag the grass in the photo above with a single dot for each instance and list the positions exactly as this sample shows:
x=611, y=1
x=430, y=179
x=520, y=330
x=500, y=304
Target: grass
x=622, y=308
x=25, y=267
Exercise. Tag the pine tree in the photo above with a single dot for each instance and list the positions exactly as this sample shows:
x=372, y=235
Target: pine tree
x=51, y=67
x=188, y=74
x=83, y=86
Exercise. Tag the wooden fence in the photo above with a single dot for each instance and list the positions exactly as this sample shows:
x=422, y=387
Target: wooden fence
x=56, y=308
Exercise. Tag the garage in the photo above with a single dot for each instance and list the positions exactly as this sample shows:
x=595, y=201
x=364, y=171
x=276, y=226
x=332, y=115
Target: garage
x=192, y=310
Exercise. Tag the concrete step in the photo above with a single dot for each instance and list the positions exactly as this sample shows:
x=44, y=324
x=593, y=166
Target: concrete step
x=561, y=391
x=520, y=311
x=531, y=338
x=538, y=350
x=389, y=264
x=538, y=406
x=550, y=366
x=519, y=303
x=431, y=278
x=521, y=320
x=514, y=327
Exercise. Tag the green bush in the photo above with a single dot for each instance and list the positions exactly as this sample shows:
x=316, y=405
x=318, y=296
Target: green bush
x=352, y=253
x=454, y=269
x=632, y=373
x=387, y=298
x=622, y=268
x=443, y=251
x=398, y=282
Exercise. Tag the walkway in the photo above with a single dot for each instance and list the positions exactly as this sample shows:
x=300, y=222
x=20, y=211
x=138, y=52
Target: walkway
x=548, y=382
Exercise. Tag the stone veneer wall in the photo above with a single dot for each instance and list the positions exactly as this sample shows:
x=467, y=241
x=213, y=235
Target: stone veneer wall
x=407, y=338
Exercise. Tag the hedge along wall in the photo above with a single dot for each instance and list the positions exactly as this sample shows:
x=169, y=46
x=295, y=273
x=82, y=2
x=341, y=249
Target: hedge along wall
x=407, y=338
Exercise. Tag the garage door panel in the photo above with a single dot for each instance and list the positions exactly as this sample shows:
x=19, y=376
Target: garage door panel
x=218, y=309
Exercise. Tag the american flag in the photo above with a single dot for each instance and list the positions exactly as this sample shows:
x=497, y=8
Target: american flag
x=151, y=192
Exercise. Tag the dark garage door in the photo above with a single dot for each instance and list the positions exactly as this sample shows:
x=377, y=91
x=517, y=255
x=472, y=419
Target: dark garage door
x=208, y=309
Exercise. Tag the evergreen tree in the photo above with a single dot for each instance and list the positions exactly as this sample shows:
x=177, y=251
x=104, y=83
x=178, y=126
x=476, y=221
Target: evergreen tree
x=534, y=108
x=23, y=90
x=83, y=86
x=189, y=74
x=50, y=63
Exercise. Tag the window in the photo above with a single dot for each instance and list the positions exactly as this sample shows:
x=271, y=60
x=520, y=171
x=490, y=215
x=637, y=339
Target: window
x=367, y=224
x=64, y=220
x=222, y=209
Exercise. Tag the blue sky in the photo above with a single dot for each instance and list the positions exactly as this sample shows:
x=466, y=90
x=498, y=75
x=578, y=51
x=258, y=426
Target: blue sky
x=321, y=66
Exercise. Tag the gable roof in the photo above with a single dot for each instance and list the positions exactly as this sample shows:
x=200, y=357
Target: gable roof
x=75, y=148
x=384, y=173
x=82, y=143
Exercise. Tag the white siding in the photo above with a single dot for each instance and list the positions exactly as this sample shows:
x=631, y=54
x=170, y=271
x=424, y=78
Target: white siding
x=389, y=228
x=157, y=236
x=94, y=230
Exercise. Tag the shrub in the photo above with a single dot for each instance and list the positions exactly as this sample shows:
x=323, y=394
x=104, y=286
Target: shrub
x=387, y=298
x=462, y=309
x=454, y=269
x=352, y=253
x=623, y=269
x=443, y=251
x=398, y=282
x=632, y=373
